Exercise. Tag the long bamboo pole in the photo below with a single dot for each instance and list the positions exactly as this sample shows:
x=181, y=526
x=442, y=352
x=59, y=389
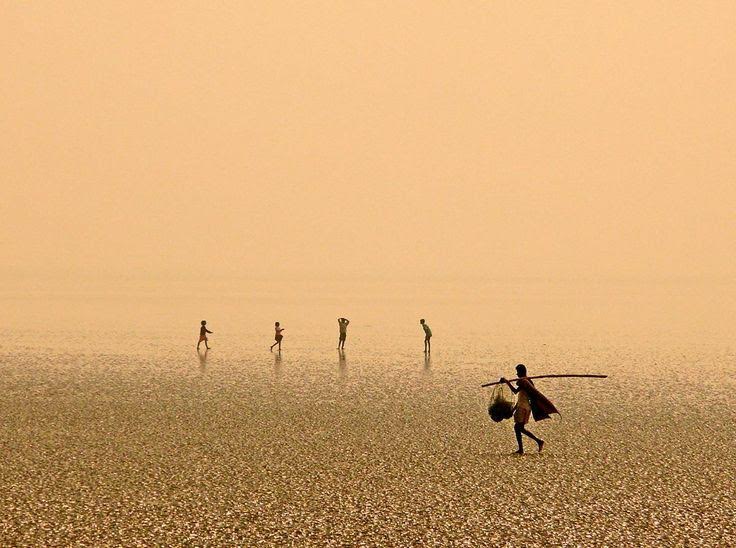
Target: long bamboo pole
x=548, y=377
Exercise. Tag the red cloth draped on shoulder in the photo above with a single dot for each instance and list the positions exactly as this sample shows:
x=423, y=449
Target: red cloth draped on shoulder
x=541, y=406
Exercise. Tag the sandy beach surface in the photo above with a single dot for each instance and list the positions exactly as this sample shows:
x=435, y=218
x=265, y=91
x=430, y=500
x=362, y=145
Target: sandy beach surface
x=115, y=431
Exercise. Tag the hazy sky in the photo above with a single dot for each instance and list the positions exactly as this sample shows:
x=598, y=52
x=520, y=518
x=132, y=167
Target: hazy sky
x=405, y=139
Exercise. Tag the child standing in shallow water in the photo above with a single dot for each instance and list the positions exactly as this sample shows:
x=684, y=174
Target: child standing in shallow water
x=279, y=337
x=203, y=334
x=343, y=323
x=427, y=336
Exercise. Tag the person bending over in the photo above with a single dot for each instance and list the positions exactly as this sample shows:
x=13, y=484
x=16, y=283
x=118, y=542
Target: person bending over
x=427, y=336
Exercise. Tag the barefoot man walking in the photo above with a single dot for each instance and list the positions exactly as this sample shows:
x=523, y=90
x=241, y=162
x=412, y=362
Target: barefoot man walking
x=530, y=401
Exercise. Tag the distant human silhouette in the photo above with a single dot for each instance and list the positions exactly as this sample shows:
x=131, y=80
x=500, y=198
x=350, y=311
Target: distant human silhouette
x=427, y=336
x=203, y=335
x=279, y=337
x=343, y=323
x=530, y=401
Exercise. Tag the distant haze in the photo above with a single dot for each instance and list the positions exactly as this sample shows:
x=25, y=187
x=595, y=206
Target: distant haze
x=377, y=140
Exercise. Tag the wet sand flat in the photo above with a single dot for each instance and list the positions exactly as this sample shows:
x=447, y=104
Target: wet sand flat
x=243, y=447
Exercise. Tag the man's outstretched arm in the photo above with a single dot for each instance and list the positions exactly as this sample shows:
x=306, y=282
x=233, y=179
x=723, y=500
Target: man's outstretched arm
x=513, y=389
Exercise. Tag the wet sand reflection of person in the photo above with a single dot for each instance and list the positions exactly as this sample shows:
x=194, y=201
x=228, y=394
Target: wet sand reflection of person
x=277, y=363
x=342, y=362
x=202, y=359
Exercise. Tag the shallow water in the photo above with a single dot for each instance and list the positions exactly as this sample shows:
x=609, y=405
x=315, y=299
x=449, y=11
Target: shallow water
x=116, y=431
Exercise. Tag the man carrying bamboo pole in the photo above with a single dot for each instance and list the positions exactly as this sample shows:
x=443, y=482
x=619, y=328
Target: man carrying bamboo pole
x=530, y=401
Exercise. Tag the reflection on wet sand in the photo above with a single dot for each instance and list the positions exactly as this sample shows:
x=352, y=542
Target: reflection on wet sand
x=118, y=445
x=202, y=360
x=342, y=363
x=423, y=454
x=277, y=366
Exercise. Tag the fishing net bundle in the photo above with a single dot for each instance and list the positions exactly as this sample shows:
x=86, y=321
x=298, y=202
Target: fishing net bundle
x=501, y=403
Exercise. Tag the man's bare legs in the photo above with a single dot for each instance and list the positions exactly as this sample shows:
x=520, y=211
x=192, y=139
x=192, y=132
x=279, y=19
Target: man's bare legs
x=427, y=345
x=520, y=429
